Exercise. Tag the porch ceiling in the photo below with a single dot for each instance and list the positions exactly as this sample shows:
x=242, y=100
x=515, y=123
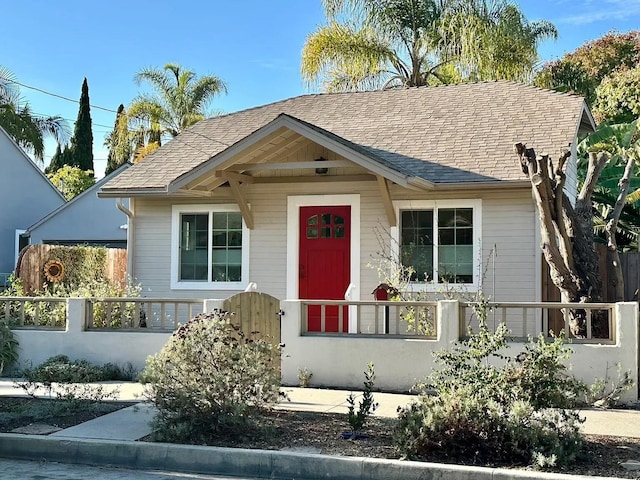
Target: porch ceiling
x=283, y=157
x=288, y=150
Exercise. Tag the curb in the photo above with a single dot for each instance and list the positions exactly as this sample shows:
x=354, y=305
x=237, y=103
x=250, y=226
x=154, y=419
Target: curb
x=247, y=463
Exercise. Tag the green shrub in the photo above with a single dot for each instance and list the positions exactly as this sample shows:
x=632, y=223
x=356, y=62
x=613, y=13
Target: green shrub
x=54, y=314
x=8, y=347
x=485, y=406
x=358, y=417
x=210, y=379
x=60, y=369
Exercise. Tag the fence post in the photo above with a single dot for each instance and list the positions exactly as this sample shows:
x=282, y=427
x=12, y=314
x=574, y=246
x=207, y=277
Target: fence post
x=448, y=322
x=626, y=334
x=293, y=357
x=76, y=314
x=212, y=304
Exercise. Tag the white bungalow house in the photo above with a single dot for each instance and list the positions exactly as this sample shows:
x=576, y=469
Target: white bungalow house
x=299, y=196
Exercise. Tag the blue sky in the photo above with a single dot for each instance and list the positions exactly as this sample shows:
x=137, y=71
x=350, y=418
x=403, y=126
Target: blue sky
x=253, y=45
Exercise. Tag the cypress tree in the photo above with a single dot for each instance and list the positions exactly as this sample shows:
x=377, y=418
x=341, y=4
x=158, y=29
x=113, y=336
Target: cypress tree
x=59, y=160
x=56, y=161
x=82, y=141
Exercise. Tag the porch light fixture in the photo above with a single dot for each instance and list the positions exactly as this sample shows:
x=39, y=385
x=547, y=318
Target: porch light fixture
x=321, y=170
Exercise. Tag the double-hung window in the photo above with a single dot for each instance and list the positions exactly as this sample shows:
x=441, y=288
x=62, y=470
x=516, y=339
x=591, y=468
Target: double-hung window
x=440, y=241
x=209, y=247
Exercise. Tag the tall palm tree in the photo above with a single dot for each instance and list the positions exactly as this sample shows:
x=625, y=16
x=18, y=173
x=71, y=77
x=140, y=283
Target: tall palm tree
x=25, y=127
x=492, y=39
x=179, y=100
x=372, y=44
x=382, y=44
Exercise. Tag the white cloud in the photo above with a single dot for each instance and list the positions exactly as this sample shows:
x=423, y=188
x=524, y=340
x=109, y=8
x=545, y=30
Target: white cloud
x=590, y=12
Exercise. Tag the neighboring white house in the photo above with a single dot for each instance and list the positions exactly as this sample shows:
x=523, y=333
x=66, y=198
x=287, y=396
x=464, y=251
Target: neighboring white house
x=84, y=220
x=26, y=195
x=300, y=196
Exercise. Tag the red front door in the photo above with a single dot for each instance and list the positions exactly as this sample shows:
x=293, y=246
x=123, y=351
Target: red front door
x=324, y=267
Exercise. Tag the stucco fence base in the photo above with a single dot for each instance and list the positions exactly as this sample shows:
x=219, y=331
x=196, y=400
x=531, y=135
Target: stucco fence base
x=334, y=360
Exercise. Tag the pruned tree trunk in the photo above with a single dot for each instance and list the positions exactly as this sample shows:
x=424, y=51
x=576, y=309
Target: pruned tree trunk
x=566, y=230
x=610, y=231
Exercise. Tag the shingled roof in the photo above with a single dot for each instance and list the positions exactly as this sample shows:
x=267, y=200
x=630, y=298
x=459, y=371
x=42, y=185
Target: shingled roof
x=446, y=134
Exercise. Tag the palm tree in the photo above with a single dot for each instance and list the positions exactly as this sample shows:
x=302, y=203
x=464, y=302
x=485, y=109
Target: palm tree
x=384, y=44
x=371, y=44
x=25, y=127
x=492, y=39
x=179, y=101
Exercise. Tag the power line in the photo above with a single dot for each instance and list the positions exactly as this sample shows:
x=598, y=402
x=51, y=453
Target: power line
x=115, y=111
x=71, y=120
x=60, y=96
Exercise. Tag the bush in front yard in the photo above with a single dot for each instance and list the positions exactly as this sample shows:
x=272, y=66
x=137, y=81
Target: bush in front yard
x=210, y=379
x=60, y=369
x=483, y=406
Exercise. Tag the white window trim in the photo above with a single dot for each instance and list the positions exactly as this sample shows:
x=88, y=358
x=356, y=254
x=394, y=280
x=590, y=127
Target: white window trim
x=476, y=205
x=16, y=249
x=294, y=202
x=176, y=284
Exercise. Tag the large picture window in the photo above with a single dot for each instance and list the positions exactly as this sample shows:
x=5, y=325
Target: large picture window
x=440, y=243
x=210, y=244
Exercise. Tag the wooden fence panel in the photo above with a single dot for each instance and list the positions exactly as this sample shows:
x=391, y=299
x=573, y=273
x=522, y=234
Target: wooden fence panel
x=32, y=259
x=630, y=263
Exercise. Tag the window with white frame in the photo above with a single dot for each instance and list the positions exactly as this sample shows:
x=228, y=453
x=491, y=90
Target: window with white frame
x=440, y=242
x=209, y=247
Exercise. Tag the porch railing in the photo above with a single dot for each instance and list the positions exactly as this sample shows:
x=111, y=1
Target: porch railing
x=373, y=318
x=526, y=320
x=34, y=312
x=144, y=314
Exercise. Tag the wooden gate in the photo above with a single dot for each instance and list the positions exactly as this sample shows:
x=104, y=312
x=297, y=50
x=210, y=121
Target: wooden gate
x=256, y=312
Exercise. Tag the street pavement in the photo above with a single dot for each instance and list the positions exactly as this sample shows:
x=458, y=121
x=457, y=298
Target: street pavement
x=42, y=470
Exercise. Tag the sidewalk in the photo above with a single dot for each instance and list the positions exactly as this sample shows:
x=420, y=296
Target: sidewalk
x=132, y=423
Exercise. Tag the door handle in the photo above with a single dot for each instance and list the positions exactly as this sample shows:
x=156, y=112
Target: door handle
x=301, y=273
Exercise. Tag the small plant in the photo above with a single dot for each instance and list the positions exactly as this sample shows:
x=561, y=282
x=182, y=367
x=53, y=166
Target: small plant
x=8, y=347
x=304, y=377
x=70, y=378
x=69, y=382
x=606, y=392
x=367, y=406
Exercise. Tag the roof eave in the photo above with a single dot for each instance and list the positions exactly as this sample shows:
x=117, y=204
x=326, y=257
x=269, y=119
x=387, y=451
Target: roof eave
x=485, y=185
x=420, y=183
x=133, y=192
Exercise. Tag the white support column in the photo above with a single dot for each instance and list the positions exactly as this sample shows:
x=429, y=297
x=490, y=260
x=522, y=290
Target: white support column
x=626, y=332
x=293, y=351
x=76, y=314
x=448, y=322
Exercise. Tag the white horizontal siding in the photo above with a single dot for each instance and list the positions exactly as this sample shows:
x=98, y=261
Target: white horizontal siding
x=508, y=221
